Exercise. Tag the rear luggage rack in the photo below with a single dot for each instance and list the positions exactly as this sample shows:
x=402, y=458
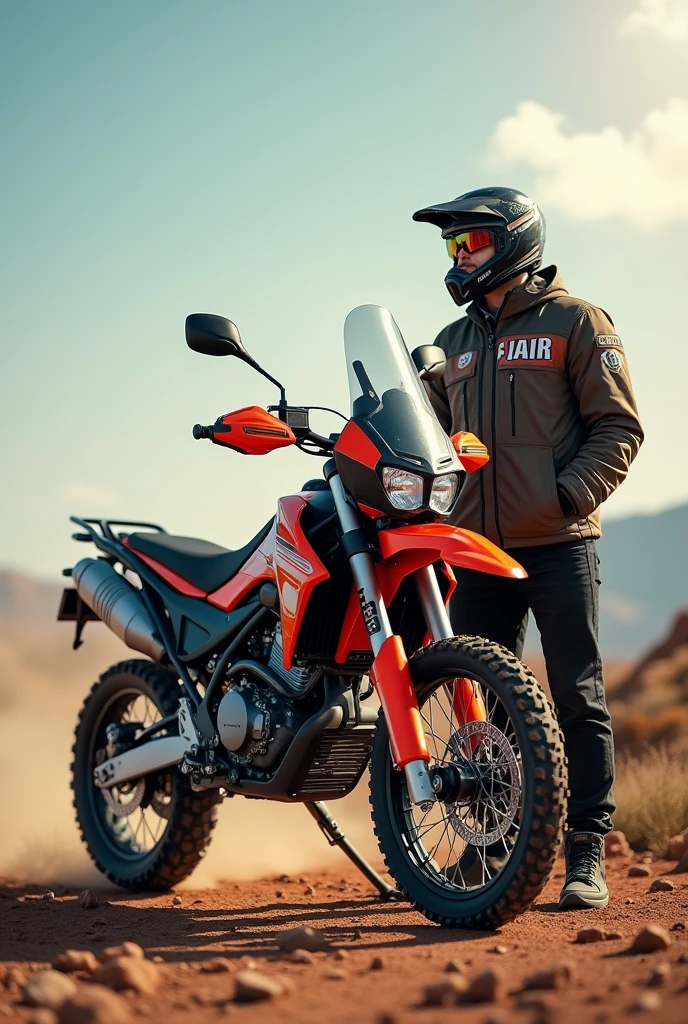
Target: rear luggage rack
x=105, y=527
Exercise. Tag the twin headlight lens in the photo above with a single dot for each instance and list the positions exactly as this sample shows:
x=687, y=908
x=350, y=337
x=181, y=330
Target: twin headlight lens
x=405, y=490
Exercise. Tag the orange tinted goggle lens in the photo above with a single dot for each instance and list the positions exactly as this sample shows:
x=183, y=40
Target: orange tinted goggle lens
x=468, y=240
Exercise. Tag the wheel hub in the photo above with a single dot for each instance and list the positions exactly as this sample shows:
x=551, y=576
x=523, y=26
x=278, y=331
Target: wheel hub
x=489, y=808
x=124, y=800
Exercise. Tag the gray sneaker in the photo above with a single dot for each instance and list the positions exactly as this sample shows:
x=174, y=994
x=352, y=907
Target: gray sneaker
x=585, y=884
x=478, y=867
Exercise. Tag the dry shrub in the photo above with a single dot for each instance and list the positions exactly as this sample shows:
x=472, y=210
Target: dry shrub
x=652, y=797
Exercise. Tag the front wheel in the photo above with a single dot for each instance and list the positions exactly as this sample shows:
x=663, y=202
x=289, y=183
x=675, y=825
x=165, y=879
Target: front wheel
x=480, y=858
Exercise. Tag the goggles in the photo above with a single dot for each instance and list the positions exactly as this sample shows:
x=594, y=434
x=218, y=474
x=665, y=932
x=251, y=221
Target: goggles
x=470, y=241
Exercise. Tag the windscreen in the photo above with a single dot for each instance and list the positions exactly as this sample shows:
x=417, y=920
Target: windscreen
x=385, y=389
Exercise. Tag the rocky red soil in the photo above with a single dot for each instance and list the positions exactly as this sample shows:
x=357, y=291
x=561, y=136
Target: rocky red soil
x=381, y=956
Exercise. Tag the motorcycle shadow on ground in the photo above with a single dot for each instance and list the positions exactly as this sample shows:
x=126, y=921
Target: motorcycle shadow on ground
x=42, y=929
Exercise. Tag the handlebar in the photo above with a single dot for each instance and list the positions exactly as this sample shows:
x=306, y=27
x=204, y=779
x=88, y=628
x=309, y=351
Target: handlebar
x=200, y=432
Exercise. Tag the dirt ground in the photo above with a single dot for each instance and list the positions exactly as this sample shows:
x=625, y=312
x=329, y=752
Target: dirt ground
x=239, y=922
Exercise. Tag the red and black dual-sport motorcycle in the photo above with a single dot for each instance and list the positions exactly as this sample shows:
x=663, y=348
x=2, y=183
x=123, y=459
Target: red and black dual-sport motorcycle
x=263, y=660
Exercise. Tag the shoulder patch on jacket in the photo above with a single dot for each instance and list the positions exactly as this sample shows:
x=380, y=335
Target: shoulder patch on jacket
x=611, y=359
x=608, y=341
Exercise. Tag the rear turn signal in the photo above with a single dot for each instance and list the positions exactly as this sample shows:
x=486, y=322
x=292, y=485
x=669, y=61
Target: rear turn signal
x=471, y=451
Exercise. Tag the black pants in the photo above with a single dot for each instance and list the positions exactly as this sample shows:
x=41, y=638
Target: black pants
x=562, y=591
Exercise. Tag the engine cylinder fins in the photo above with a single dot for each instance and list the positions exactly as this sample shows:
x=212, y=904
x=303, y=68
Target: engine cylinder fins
x=118, y=604
x=296, y=679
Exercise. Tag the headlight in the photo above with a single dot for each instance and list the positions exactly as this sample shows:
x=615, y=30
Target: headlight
x=404, y=490
x=443, y=492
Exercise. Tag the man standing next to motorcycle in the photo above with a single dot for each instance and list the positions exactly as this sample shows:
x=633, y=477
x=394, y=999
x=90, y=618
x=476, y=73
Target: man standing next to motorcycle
x=542, y=379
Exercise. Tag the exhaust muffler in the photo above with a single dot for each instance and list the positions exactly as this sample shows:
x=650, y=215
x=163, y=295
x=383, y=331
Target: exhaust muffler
x=118, y=604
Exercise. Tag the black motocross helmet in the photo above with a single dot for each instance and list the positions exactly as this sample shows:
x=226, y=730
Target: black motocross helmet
x=516, y=224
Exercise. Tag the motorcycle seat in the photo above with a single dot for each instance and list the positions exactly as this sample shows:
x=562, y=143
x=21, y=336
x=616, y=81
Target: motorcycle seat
x=200, y=562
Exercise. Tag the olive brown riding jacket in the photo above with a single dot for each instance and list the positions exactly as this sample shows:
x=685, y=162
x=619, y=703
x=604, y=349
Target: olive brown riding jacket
x=549, y=392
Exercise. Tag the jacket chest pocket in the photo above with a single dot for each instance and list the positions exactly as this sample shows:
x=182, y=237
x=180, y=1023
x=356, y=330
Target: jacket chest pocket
x=531, y=405
x=460, y=380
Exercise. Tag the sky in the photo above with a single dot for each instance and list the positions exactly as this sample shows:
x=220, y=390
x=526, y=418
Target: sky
x=262, y=160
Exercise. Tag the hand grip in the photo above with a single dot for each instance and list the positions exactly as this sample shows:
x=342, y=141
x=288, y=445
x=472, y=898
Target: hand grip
x=200, y=432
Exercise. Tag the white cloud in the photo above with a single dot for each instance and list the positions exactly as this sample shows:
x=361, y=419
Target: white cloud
x=90, y=497
x=640, y=177
x=667, y=18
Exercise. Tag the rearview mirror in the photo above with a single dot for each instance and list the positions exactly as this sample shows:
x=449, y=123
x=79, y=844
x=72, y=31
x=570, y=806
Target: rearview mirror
x=430, y=361
x=214, y=336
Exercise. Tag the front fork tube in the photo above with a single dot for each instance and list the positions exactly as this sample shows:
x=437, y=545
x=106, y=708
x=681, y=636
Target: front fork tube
x=464, y=694
x=390, y=672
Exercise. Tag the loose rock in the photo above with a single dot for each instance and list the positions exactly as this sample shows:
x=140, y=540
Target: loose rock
x=94, y=1004
x=616, y=845
x=678, y=927
x=645, y=1003
x=309, y=890
x=48, y=988
x=48, y=894
x=217, y=965
x=662, y=885
x=301, y=938
x=128, y=972
x=444, y=992
x=483, y=988
x=301, y=956
x=454, y=967
x=88, y=900
x=177, y=901
x=76, y=960
x=651, y=938
x=341, y=954
x=585, y=935
x=639, y=871
x=500, y=950
x=554, y=977
x=677, y=846
x=125, y=949
x=335, y=975
x=377, y=963
x=253, y=987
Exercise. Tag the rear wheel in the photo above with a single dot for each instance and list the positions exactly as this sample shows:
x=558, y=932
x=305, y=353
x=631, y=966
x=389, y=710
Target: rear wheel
x=149, y=833
x=507, y=821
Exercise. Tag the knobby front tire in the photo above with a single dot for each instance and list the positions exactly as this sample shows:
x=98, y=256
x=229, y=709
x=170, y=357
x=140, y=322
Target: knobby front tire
x=520, y=706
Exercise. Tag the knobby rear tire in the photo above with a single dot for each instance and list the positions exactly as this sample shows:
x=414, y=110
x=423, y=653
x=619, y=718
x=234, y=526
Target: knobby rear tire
x=519, y=883
x=192, y=815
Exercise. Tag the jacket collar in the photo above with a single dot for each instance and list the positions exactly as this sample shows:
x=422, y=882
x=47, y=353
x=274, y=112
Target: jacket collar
x=540, y=287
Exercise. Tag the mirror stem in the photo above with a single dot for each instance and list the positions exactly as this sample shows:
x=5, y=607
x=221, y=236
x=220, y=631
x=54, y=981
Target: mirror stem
x=259, y=368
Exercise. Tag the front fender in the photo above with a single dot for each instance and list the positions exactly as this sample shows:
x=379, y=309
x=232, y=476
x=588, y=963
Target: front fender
x=405, y=549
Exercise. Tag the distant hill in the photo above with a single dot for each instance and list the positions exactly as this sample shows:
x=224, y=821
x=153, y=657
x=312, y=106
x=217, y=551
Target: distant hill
x=644, y=569
x=644, y=584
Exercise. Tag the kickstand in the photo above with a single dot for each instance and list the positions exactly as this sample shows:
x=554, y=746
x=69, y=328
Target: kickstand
x=336, y=837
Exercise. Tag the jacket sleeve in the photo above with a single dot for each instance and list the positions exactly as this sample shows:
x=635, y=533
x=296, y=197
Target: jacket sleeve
x=437, y=393
x=600, y=380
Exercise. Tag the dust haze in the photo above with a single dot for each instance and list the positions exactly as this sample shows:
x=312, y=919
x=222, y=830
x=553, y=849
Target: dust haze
x=42, y=686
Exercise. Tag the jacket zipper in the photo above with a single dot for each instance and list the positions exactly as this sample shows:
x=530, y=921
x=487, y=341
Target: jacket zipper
x=490, y=345
x=465, y=407
x=481, y=478
x=512, y=388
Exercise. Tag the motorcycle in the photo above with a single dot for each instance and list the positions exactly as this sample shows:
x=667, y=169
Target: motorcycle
x=265, y=661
